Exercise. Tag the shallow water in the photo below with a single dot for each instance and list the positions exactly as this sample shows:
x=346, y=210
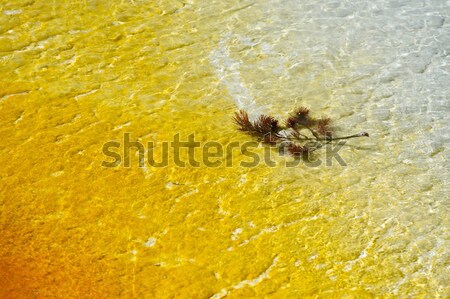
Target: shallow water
x=78, y=74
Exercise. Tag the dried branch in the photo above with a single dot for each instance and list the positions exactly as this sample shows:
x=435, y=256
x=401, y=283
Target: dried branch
x=301, y=135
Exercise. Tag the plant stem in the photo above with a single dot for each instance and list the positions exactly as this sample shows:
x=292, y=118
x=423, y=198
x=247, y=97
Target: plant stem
x=360, y=134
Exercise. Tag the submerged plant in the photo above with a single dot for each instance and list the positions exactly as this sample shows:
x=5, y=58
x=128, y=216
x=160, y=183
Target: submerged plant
x=300, y=135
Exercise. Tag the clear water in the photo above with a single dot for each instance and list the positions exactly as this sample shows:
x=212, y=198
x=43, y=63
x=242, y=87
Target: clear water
x=77, y=74
x=380, y=66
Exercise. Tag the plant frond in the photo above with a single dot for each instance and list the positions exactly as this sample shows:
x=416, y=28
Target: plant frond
x=291, y=122
x=300, y=117
x=324, y=126
x=302, y=113
x=297, y=150
x=266, y=124
x=270, y=138
x=241, y=119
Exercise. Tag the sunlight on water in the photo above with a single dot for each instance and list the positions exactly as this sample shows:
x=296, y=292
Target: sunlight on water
x=78, y=74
